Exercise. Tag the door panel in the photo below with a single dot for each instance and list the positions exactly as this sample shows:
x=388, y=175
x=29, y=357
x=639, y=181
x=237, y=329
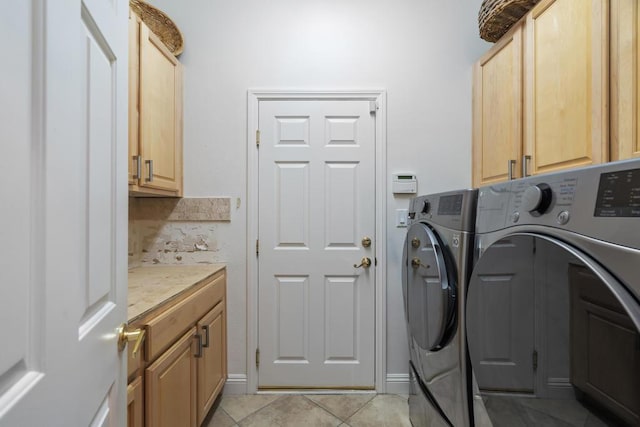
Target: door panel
x=500, y=316
x=316, y=203
x=66, y=273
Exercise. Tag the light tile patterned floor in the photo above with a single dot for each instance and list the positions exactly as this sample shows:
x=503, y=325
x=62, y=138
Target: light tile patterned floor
x=310, y=410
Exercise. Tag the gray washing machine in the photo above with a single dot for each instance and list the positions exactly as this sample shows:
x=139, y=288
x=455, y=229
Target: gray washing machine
x=438, y=251
x=553, y=304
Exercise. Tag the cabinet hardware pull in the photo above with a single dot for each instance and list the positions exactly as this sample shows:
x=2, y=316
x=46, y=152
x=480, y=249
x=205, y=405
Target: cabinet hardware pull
x=205, y=328
x=138, y=173
x=525, y=165
x=510, y=165
x=199, y=353
x=150, y=163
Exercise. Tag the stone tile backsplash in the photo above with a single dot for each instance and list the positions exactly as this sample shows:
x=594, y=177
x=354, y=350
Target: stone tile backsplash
x=175, y=231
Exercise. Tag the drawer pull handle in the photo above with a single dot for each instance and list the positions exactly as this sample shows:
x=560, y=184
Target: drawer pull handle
x=199, y=353
x=205, y=328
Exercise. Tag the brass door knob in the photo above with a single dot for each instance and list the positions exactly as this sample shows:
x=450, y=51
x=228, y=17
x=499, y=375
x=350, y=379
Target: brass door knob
x=365, y=263
x=125, y=335
x=415, y=242
x=416, y=263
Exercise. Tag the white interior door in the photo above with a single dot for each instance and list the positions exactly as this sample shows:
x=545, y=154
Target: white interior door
x=316, y=205
x=63, y=254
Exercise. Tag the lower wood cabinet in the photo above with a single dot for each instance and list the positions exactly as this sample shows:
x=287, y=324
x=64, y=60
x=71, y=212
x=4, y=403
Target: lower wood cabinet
x=212, y=366
x=183, y=366
x=135, y=409
x=170, y=394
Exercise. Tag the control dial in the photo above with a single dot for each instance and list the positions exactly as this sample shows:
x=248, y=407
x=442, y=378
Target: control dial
x=537, y=199
x=426, y=207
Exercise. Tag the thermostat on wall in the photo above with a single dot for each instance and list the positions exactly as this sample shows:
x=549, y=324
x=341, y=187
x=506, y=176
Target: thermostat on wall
x=405, y=183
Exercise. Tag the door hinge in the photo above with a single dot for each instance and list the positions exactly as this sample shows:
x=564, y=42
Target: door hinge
x=257, y=247
x=534, y=358
x=257, y=358
x=373, y=107
x=258, y=138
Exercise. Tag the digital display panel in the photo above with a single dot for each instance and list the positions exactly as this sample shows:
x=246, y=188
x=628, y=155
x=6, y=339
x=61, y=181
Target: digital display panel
x=450, y=205
x=619, y=194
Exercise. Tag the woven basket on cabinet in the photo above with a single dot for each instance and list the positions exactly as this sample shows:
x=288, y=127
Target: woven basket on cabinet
x=497, y=16
x=161, y=25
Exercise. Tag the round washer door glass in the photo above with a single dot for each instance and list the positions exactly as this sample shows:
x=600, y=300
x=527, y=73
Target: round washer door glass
x=430, y=289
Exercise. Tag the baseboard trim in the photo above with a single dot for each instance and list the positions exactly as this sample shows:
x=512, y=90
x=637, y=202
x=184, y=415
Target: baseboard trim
x=236, y=384
x=397, y=384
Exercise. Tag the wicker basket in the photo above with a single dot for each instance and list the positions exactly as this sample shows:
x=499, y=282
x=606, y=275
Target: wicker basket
x=497, y=16
x=161, y=25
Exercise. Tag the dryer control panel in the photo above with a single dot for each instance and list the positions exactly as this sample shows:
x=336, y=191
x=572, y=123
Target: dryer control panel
x=601, y=201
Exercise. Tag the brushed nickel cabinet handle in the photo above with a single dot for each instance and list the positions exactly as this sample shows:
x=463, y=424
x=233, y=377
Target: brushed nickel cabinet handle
x=525, y=165
x=205, y=328
x=138, y=174
x=510, y=165
x=150, y=163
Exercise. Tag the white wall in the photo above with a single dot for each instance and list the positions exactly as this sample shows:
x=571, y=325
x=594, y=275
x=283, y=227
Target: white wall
x=420, y=51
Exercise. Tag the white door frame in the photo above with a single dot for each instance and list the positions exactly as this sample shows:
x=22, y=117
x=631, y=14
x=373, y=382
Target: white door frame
x=254, y=96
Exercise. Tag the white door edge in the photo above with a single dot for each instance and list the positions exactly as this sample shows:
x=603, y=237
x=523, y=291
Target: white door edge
x=254, y=96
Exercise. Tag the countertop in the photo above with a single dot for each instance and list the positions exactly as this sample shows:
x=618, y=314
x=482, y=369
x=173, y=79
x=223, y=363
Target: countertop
x=154, y=285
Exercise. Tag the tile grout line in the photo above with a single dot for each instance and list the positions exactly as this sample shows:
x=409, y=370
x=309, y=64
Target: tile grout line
x=324, y=409
x=250, y=414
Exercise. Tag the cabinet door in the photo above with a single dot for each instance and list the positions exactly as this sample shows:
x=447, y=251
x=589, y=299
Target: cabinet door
x=135, y=169
x=170, y=386
x=497, y=111
x=160, y=114
x=135, y=408
x=625, y=79
x=566, y=84
x=212, y=366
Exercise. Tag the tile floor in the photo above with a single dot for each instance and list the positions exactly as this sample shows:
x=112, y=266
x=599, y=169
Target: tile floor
x=516, y=412
x=310, y=410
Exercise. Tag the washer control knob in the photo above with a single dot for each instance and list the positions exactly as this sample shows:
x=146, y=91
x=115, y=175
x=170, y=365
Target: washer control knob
x=515, y=217
x=426, y=207
x=537, y=199
x=563, y=217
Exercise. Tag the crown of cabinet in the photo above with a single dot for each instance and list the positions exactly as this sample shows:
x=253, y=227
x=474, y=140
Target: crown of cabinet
x=155, y=115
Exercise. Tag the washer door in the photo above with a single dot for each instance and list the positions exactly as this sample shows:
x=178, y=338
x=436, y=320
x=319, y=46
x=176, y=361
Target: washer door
x=429, y=288
x=547, y=324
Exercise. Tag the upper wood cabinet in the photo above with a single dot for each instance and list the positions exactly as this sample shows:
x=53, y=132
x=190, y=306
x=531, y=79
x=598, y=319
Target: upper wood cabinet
x=155, y=114
x=546, y=90
x=625, y=79
x=497, y=111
